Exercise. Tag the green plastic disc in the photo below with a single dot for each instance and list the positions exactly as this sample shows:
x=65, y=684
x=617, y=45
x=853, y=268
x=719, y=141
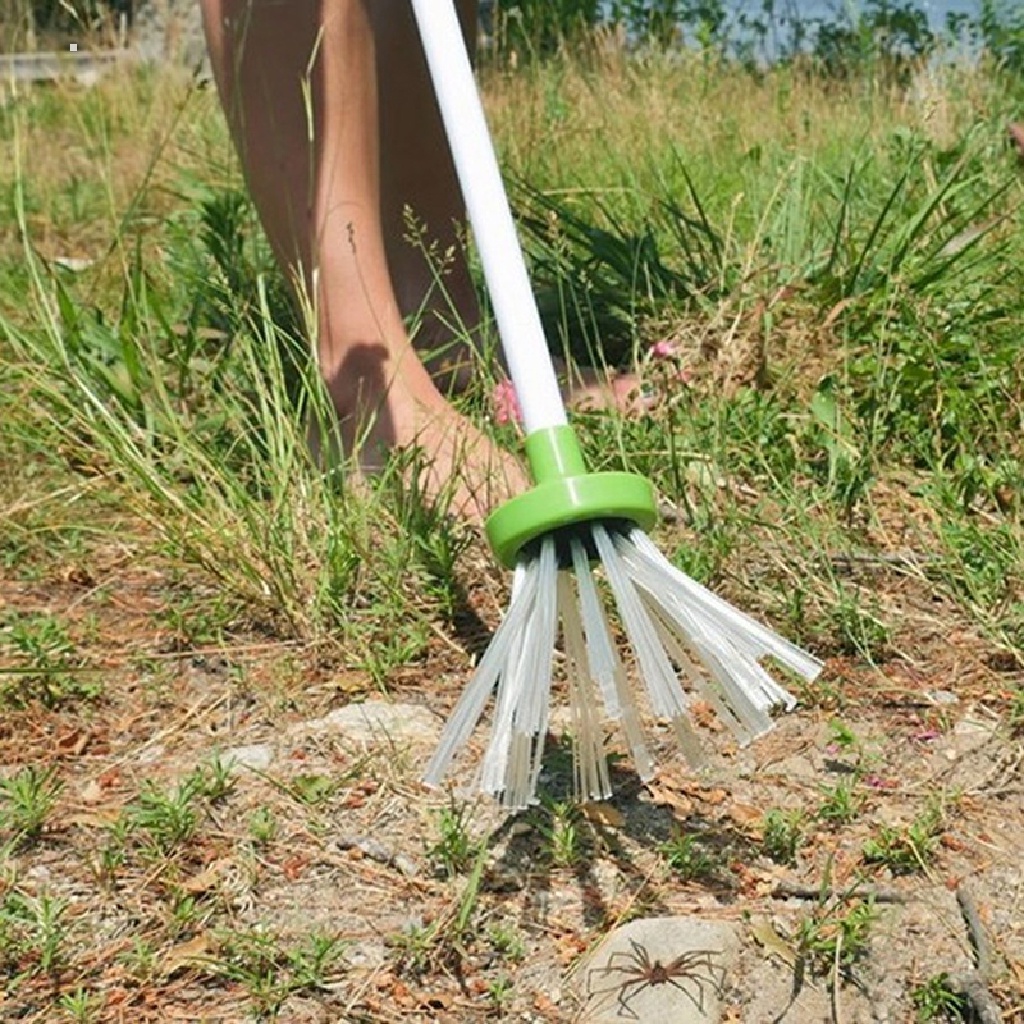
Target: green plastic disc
x=566, y=495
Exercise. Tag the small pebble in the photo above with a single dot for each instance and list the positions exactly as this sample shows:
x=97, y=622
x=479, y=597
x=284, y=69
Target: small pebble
x=258, y=756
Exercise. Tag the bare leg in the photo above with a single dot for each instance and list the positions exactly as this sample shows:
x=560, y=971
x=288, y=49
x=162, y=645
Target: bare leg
x=311, y=92
x=418, y=176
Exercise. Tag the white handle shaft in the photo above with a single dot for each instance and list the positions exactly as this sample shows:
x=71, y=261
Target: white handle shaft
x=515, y=308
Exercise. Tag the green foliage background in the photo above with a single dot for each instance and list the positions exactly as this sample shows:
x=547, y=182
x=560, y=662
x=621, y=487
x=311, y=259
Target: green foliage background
x=848, y=36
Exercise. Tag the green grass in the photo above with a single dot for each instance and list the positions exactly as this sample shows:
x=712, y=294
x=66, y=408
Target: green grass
x=909, y=848
x=835, y=935
x=835, y=268
x=783, y=835
x=693, y=861
x=455, y=849
x=269, y=971
x=840, y=804
x=936, y=1000
x=46, y=668
x=27, y=799
x=842, y=251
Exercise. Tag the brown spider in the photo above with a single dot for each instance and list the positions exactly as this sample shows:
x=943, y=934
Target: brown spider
x=695, y=965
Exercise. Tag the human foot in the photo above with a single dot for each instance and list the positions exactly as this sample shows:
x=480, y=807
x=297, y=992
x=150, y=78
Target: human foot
x=589, y=388
x=1017, y=136
x=585, y=389
x=454, y=462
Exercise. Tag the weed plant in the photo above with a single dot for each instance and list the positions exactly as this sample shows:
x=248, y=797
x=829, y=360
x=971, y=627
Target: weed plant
x=907, y=849
x=936, y=1000
x=692, y=860
x=27, y=799
x=836, y=934
x=783, y=835
x=455, y=849
x=269, y=970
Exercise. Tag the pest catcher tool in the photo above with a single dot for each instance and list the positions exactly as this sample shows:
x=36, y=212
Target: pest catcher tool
x=570, y=521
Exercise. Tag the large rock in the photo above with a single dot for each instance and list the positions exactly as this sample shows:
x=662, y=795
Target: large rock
x=660, y=969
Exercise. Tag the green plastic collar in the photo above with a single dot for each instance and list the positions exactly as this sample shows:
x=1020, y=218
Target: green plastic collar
x=564, y=495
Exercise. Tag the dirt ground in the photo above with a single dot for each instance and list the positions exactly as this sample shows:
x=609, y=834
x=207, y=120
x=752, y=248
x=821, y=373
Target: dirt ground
x=358, y=859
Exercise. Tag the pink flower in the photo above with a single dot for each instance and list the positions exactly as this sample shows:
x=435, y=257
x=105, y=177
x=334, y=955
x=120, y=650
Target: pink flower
x=662, y=350
x=877, y=782
x=505, y=403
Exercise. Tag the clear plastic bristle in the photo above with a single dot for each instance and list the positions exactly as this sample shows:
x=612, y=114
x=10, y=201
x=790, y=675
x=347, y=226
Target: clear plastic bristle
x=590, y=765
x=671, y=622
x=606, y=666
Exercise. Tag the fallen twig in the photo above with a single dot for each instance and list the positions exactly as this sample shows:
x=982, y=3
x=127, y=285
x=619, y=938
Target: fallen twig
x=973, y=985
x=847, y=560
x=792, y=891
x=979, y=937
x=378, y=852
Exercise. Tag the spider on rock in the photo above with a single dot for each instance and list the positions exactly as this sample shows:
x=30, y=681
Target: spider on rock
x=696, y=966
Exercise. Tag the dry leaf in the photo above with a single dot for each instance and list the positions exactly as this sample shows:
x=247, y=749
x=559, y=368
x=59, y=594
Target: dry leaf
x=704, y=715
x=604, y=814
x=543, y=1005
x=774, y=944
x=745, y=814
x=665, y=796
x=73, y=741
x=185, y=954
x=208, y=878
x=1018, y=969
x=293, y=867
x=92, y=792
x=836, y=312
x=101, y=817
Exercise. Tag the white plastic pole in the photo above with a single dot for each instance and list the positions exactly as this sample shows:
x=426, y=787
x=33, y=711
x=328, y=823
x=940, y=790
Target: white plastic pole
x=519, y=326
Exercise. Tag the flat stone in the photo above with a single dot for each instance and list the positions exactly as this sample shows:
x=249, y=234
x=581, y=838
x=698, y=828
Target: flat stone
x=259, y=756
x=969, y=734
x=376, y=721
x=618, y=984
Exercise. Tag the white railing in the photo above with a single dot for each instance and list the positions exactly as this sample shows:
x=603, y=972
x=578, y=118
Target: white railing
x=84, y=67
